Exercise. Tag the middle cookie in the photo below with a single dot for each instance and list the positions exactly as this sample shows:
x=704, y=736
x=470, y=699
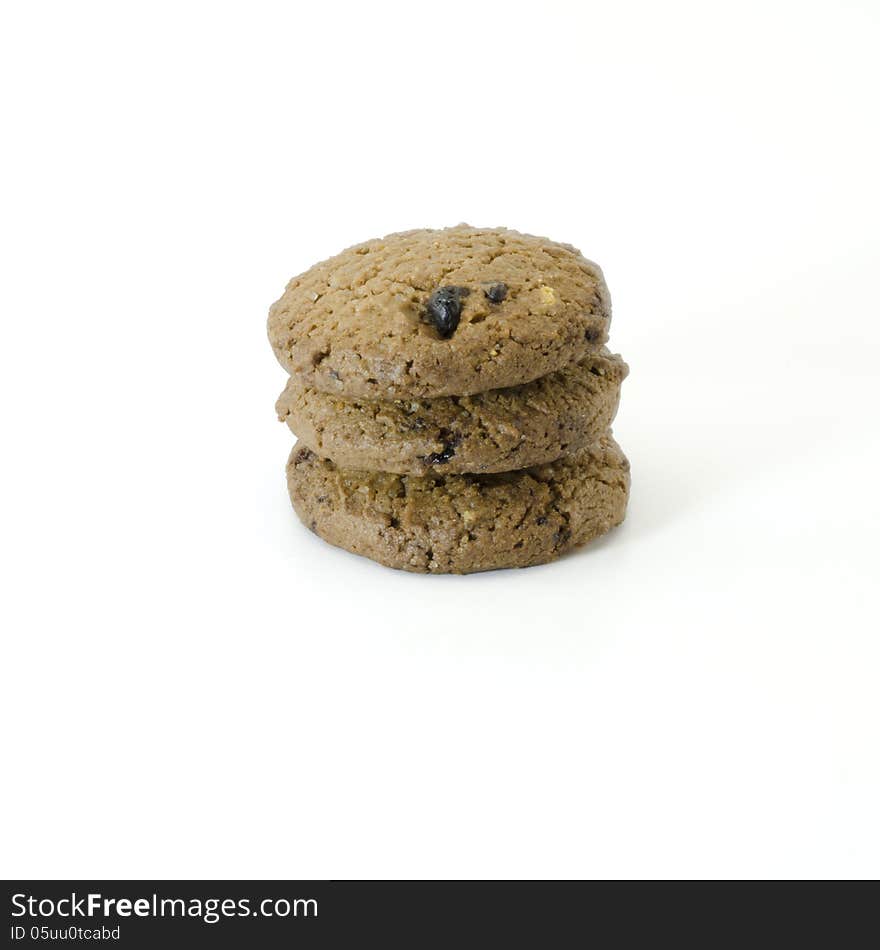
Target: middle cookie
x=493, y=431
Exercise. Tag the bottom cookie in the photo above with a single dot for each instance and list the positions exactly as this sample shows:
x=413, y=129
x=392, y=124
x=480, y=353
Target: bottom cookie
x=459, y=524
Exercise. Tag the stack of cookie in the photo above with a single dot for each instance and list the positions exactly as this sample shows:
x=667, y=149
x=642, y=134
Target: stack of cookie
x=452, y=396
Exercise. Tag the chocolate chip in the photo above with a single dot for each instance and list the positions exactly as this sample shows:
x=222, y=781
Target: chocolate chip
x=592, y=334
x=441, y=458
x=561, y=536
x=450, y=444
x=541, y=520
x=497, y=292
x=444, y=309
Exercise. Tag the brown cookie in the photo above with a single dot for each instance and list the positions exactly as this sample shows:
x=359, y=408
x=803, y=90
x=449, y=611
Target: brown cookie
x=440, y=312
x=493, y=431
x=463, y=523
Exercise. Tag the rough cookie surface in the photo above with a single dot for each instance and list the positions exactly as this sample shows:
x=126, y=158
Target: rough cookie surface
x=463, y=523
x=364, y=324
x=494, y=431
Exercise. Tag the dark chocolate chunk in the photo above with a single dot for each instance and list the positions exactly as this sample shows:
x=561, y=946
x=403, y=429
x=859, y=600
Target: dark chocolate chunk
x=440, y=458
x=497, y=292
x=561, y=536
x=450, y=443
x=444, y=309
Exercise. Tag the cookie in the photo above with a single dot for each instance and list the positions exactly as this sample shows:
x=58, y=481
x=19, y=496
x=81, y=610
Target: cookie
x=463, y=523
x=494, y=431
x=440, y=313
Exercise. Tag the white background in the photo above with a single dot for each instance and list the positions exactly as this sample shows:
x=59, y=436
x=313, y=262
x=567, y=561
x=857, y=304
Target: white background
x=194, y=685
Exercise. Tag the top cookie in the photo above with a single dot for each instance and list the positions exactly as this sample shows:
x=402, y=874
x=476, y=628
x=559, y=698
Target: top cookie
x=440, y=312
